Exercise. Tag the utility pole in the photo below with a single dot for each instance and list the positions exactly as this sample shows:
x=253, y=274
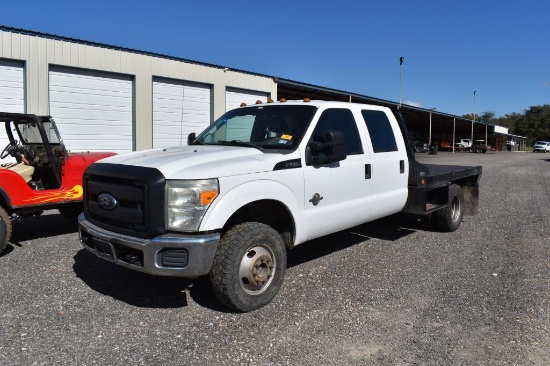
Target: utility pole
x=401, y=60
x=474, y=120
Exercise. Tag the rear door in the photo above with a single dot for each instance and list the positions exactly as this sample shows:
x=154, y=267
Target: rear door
x=389, y=165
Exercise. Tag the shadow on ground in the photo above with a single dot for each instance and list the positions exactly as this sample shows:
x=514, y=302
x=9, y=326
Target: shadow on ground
x=37, y=227
x=142, y=290
x=43, y=226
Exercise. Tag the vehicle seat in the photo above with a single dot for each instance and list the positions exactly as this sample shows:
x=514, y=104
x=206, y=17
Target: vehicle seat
x=276, y=127
x=25, y=171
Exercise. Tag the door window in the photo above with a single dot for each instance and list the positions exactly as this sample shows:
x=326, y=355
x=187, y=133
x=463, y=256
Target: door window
x=380, y=131
x=339, y=119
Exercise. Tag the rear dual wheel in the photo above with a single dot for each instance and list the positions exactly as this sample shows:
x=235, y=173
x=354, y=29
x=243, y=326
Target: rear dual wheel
x=450, y=218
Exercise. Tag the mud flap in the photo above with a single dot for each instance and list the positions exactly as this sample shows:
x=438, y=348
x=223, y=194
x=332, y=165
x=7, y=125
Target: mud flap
x=471, y=199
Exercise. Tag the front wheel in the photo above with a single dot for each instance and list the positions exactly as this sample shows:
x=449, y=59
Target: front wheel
x=5, y=229
x=450, y=218
x=249, y=266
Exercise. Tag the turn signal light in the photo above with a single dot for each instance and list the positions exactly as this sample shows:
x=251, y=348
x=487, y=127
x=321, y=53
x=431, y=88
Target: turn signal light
x=207, y=197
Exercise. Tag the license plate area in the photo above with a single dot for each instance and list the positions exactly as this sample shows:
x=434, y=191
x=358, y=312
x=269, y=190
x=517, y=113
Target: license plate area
x=104, y=249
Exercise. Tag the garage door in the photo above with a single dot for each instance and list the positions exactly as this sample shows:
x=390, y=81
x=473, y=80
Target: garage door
x=12, y=87
x=93, y=111
x=12, y=94
x=234, y=97
x=179, y=108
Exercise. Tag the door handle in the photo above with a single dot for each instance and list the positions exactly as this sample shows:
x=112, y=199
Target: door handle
x=402, y=166
x=368, y=171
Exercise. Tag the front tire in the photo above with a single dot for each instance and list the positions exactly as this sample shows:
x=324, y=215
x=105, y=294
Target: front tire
x=249, y=266
x=450, y=218
x=5, y=229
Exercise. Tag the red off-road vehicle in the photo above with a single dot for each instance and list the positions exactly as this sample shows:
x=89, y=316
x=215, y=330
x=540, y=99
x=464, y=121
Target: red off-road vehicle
x=44, y=175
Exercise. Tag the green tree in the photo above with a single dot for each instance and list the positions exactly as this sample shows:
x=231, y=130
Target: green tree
x=487, y=117
x=537, y=123
x=484, y=117
x=511, y=121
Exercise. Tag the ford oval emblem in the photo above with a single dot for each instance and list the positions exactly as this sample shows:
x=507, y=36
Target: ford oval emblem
x=107, y=202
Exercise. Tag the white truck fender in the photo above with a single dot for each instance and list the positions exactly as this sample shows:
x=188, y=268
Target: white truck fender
x=225, y=205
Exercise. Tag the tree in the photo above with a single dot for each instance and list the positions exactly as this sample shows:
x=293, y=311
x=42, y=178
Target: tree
x=511, y=121
x=484, y=117
x=487, y=117
x=537, y=122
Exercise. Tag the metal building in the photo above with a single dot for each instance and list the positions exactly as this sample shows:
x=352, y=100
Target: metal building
x=107, y=98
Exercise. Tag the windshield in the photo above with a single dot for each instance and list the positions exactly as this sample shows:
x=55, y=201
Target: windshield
x=29, y=133
x=263, y=127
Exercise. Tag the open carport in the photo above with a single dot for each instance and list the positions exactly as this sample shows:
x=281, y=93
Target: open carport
x=427, y=124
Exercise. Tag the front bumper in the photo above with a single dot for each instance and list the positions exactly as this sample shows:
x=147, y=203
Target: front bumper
x=178, y=255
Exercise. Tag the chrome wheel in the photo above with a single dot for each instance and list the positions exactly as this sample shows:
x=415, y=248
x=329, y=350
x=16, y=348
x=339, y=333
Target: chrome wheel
x=456, y=209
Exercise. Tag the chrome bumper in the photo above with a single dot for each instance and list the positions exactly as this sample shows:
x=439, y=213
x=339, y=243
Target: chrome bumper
x=178, y=255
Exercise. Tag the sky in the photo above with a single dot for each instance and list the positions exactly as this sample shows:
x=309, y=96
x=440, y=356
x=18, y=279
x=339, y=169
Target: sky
x=500, y=49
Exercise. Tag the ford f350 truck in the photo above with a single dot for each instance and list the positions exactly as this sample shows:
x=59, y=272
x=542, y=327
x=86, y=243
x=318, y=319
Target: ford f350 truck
x=260, y=180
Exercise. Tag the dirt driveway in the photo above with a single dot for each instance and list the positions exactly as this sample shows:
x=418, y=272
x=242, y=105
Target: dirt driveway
x=387, y=292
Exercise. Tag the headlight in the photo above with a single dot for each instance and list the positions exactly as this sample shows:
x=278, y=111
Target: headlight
x=187, y=202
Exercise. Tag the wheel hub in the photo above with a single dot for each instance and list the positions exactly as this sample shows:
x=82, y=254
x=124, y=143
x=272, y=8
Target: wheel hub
x=261, y=270
x=455, y=209
x=256, y=270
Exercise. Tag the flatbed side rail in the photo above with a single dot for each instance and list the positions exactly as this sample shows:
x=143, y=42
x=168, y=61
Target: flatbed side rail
x=425, y=199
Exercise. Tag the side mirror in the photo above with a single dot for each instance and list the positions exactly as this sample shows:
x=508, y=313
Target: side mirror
x=330, y=151
x=191, y=138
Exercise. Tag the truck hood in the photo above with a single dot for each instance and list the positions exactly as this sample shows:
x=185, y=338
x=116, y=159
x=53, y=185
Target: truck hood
x=201, y=161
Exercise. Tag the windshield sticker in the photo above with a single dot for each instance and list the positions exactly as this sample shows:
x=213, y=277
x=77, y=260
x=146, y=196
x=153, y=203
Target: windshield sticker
x=286, y=137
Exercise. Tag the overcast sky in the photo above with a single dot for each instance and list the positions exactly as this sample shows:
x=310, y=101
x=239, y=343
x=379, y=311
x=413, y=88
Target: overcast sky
x=501, y=49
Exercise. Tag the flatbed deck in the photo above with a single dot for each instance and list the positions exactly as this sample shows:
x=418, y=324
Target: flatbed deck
x=434, y=174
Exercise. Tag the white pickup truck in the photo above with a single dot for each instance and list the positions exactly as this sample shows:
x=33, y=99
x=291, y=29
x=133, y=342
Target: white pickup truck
x=260, y=180
x=463, y=144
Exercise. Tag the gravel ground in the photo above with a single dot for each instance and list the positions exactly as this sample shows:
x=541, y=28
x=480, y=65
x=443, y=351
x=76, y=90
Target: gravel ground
x=386, y=292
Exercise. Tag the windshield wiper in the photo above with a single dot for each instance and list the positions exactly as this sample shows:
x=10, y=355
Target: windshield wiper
x=241, y=143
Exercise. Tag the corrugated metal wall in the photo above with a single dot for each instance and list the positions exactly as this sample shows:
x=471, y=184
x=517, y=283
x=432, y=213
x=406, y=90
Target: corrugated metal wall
x=39, y=53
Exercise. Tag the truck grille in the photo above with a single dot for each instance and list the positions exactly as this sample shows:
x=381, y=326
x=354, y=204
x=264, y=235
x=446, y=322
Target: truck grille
x=125, y=199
